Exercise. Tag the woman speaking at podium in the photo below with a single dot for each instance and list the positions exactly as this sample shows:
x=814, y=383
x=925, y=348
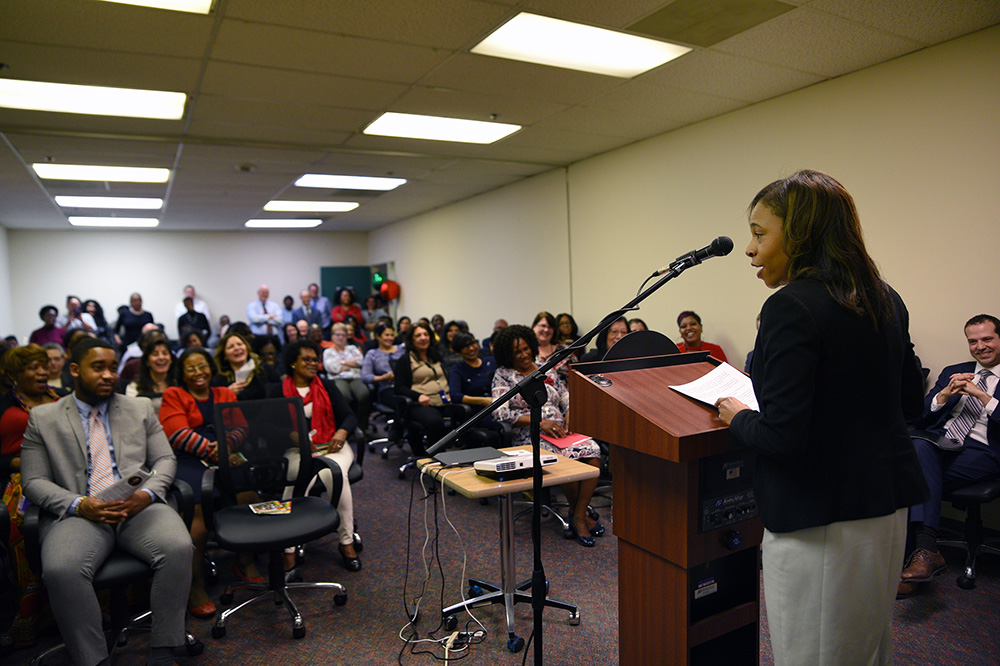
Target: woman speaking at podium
x=835, y=375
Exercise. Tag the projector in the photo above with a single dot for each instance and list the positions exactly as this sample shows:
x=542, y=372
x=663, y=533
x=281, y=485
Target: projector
x=515, y=466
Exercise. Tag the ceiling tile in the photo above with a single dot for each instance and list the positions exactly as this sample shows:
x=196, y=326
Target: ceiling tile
x=927, y=21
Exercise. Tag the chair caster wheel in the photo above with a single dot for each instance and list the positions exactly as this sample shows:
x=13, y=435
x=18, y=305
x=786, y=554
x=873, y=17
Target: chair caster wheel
x=194, y=647
x=340, y=600
x=226, y=598
x=574, y=618
x=298, y=632
x=218, y=632
x=515, y=643
x=385, y=454
x=965, y=582
x=475, y=591
x=568, y=533
x=450, y=623
x=592, y=512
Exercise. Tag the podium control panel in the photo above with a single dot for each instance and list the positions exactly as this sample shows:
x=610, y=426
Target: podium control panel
x=725, y=490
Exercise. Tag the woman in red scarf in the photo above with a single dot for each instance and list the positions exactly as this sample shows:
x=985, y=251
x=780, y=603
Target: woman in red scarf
x=330, y=421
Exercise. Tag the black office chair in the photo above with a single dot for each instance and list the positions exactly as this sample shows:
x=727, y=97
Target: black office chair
x=641, y=343
x=971, y=499
x=118, y=572
x=264, y=437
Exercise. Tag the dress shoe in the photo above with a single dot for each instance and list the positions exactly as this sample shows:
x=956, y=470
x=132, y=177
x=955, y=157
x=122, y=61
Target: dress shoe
x=597, y=530
x=203, y=611
x=923, y=566
x=906, y=589
x=352, y=564
x=585, y=541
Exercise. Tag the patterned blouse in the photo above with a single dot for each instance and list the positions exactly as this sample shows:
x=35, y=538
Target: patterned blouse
x=333, y=362
x=554, y=409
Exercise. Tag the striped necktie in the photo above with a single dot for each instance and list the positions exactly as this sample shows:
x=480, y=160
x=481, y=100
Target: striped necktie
x=962, y=425
x=101, y=471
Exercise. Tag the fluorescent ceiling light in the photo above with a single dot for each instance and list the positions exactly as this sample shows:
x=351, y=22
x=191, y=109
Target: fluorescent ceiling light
x=282, y=224
x=113, y=221
x=349, y=182
x=437, y=128
x=133, y=203
x=107, y=174
x=549, y=41
x=193, y=6
x=310, y=206
x=91, y=100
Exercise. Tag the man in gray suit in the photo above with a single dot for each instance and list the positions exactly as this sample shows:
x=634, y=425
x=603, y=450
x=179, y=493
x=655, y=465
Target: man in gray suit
x=72, y=449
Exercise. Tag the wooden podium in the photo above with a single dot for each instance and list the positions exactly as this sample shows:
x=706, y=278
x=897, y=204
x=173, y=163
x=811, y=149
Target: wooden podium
x=687, y=526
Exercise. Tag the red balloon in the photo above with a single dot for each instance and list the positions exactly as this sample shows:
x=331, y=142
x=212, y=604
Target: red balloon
x=390, y=290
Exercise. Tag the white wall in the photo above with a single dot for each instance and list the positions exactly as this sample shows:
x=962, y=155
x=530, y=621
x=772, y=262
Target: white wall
x=6, y=316
x=916, y=140
x=501, y=254
x=225, y=268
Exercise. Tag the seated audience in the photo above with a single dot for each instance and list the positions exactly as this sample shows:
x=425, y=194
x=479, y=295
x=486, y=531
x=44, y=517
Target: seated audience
x=291, y=332
x=420, y=377
x=689, y=324
x=131, y=321
x=567, y=331
x=487, y=344
x=191, y=338
x=188, y=417
x=315, y=334
x=78, y=531
x=342, y=363
x=241, y=370
x=377, y=367
x=437, y=327
x=288, y=309
x=57, y=362
x=607, y=338
x=372, y=312
x=961, y=416
x=544, y=328
x=331, y=421
x=515, y=349
x=449, y=357
x=637, y=324
x=26, y=370
x=345, y=306
x=154, y=374
x=49, y=332
x=267, y=347
x=403, y=326
x=470, y=381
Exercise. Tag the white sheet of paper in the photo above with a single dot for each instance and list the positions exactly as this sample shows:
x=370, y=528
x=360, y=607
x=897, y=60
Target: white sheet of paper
x=724, y=381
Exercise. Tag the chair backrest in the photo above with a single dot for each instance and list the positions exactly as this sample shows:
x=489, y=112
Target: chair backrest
x=641, y=343
x=258, y=442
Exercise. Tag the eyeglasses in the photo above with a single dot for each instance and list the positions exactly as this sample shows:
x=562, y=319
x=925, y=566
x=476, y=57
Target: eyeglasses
x=192, y=369
x=309, y=360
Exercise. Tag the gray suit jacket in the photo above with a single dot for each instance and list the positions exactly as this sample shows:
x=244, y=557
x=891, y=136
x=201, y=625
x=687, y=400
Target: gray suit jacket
x=54, y=453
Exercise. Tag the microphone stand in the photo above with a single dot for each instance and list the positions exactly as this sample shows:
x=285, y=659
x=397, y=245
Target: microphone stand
x=532, y=389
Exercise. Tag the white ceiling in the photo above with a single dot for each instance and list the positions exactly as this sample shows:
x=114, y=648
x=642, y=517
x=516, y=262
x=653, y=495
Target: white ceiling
x=278, y=88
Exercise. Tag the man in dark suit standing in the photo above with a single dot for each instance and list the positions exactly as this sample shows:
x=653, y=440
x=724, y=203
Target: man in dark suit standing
x=960, y=412
x=75, y=448
x=308, y=312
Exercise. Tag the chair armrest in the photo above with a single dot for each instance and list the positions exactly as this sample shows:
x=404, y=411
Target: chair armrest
x=207, y=505
x=32, y=544
x=183, y=501
x=359, y=446
x=338, y=478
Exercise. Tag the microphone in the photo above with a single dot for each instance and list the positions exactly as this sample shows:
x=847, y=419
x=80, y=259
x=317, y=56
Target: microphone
x=720, y=247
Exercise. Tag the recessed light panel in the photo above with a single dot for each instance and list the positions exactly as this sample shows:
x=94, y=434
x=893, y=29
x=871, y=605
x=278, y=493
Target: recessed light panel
x=437, y=128
x=132, y=222
x=349, y=182
x=193, y=6
x=91, y=100
x=548, y=41
x=310, y=206
x=282, y=224
x=133, y=203
x=107, y=174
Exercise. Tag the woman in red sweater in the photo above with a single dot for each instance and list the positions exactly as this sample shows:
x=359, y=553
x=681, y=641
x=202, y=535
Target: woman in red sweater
x=689, y=324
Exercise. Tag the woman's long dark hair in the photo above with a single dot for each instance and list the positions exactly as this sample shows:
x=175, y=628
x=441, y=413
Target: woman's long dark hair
x=144, y=380
x=433, y=353
x=823, y=240
x=222, y=363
